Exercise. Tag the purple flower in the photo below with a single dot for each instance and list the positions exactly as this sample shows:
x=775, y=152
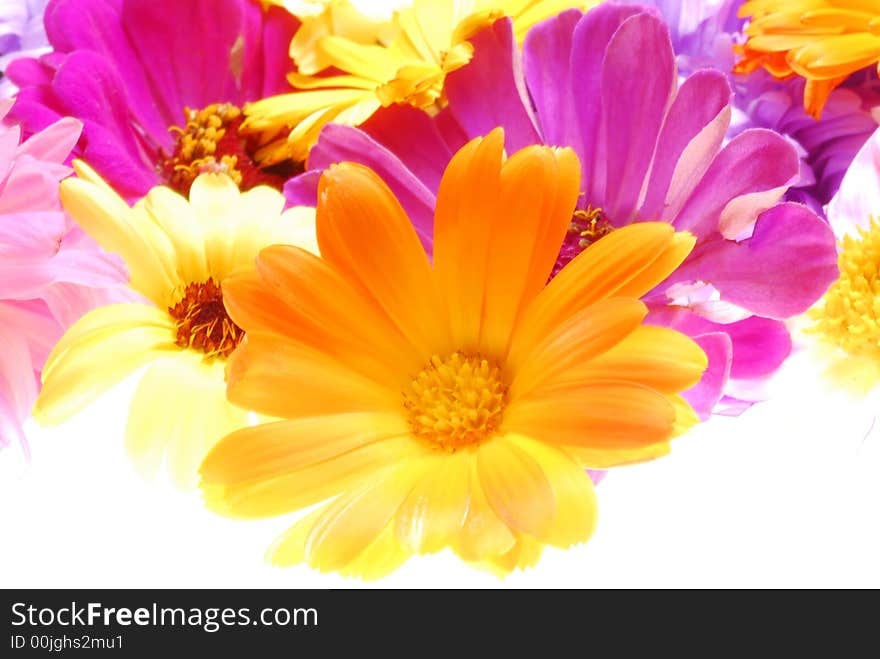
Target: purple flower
x=605, y=84
x=703, y=35
x=128, y=69
x=21, y=35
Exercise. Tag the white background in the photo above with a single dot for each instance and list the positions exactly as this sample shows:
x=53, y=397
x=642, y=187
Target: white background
x=787, y=495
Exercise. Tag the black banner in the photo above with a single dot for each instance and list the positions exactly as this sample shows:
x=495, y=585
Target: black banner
x=286, y=622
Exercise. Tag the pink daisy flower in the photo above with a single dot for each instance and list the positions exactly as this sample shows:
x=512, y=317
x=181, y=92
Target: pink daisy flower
x=51, y=272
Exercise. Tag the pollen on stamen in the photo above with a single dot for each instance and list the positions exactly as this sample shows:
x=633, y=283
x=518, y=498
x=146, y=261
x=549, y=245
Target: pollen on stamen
x=202, y=322
x=455, y=401
x=849, y=314
x=211, y=141
x=586, y=227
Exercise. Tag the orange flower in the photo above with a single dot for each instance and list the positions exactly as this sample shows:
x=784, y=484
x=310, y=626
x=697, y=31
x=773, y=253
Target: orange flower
x=823, y=41
x=454, y=404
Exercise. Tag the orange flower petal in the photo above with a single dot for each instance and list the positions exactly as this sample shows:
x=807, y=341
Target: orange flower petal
x=277, y=377
x=657, y=357
x=301, y=296
x=573, y=343
x=468, y=194
x=364, y=232
x=600, y=415
x=628, y=262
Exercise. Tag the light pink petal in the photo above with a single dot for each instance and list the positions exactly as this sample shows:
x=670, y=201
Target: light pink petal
x=701, y=103
x=858, y=198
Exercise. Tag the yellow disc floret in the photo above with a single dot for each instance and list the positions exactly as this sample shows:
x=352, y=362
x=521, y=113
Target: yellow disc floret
x=849, y=313
x=456, y=401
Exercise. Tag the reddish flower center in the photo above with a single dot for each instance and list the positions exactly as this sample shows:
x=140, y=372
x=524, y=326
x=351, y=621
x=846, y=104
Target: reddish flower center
x=211, y=141
x=586, y=227
x=202, y=321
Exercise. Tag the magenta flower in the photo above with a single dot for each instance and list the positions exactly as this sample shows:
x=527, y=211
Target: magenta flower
x=128, y=69
x=51, y=272
x=605, y=84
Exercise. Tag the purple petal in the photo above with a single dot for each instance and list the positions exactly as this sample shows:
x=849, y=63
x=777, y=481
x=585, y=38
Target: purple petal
x=780, y=271
x=704, y=395
x=589, y=43
x=345, y=144
x=490, y=91
x=633, y=107
x=302, y=190
x=760, y=345
x=755, y=161
x=697, y=106
x=547, y=54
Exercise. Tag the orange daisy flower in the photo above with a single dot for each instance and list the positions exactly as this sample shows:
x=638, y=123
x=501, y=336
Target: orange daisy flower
x=454, y=404
x=823, y=41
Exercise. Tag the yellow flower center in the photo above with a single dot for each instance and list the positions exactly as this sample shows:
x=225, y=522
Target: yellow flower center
x=202, y=321
x=211, y=141
x=456, y=401
x=849, y=313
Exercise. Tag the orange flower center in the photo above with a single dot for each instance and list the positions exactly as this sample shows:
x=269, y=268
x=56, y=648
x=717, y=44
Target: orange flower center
x=202, y=321
x=586, y=227
x=211, y=141
x=456, y=401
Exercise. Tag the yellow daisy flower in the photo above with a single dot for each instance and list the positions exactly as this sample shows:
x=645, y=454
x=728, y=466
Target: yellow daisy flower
x=823, y=41
x=178, y=253
x=455, y=404
x=380, y=64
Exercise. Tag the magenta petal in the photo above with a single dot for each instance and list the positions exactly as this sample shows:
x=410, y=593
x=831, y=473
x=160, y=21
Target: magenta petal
x=93, y=92
x=760, y=345
x=547, y=63
x=704, y=395
x=633, y=107
x=345, y=144
x=701, y=98
x=415, y=138
x=279, y=29
x=757, y=160
x=787, y=264
x=490, y=91
x=154, y=30
x=96, y=26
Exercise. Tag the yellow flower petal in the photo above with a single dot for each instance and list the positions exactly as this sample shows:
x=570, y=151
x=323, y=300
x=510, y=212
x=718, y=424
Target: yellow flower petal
x=98, y=351
x=276, y=468
x=179, y=410
x=144, y=247
x=433, y=514
x=576, y=510
x=354, y=521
